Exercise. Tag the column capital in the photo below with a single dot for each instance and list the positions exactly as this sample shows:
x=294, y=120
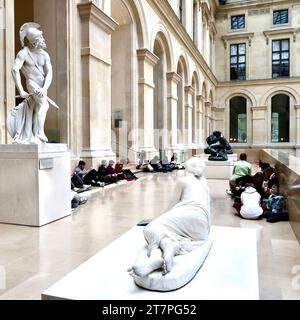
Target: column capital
x=173, y=76
x=200, y=97
x=146, y=55
x=90, y=12
x=189, y=89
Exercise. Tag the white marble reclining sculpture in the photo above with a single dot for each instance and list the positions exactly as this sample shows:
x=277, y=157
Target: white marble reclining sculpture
x=179, y=240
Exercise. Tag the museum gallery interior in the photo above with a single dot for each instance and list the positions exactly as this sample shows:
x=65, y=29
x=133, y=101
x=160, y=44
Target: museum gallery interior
x=150, y=150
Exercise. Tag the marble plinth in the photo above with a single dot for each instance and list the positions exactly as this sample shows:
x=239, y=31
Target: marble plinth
x=204, y=156
x=217, y=169
x=35, y=183
x=229, y=271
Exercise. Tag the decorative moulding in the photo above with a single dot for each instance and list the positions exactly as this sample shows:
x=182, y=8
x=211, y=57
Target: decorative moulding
x=235, y=36
x=90, y=12
x=281, y=31
x=145, y=54
x=173, y=76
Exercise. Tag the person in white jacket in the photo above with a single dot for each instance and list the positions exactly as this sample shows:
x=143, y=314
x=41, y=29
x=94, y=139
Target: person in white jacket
x=250, y=198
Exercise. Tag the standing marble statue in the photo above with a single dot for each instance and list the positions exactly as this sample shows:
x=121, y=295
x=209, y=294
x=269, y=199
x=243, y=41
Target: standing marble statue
x=26, y=121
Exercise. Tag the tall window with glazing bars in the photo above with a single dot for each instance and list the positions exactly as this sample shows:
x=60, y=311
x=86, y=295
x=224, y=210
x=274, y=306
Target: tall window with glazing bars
x=280, y=58
x=238, y=61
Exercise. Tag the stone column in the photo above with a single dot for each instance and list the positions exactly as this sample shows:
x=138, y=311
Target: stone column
x=297, y=129
x=146, y=60
x=7, y=56
x=96, y=29
x=208, y=128
x=259, y=127
x=188, y=133
x=200, y=30
x=172, y=82
x=199, y=127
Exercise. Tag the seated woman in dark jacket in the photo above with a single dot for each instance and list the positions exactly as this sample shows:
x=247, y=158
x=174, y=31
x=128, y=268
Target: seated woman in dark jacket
x=104, y=175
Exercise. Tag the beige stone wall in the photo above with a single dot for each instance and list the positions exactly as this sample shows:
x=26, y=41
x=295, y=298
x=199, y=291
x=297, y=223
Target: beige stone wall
x=134, y=56
x=259, y=87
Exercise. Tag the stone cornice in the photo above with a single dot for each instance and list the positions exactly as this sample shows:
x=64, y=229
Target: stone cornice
x=173, y=76
x=250, y=5
x=146, y=55
x=166, y=12
x=235, y=36
x=90, y=12
x=280, y=31
x=257, y=82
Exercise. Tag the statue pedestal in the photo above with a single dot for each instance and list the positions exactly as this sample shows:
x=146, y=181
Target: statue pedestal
x=218, y=169
x=35, y=183
x=204, y=156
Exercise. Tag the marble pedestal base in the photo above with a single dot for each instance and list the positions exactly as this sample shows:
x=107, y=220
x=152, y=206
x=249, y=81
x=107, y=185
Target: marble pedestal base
x=35, y=183
x=228, y=273
x=218, y=169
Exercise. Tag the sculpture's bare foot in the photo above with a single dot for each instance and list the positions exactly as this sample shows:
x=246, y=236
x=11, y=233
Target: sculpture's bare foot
x=146, y=267
x=170, y=250
x=43, y=137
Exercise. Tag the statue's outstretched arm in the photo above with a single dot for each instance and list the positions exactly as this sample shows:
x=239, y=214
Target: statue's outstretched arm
x=15, y=71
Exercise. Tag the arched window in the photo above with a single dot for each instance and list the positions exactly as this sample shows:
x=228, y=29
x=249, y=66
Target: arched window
x=280, y=118
x=238, y=120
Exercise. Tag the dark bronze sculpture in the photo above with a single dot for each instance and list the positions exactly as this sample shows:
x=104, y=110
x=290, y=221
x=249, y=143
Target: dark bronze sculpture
x=218, y=147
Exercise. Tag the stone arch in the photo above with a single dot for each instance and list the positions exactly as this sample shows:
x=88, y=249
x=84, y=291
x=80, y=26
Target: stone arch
x=129, y=36
x=294, y=99
x=280, y=90
x=161, y=34
x=250, y=102
x=241, y=92
x=137, y=19
x=196, y=80
x=183, y=60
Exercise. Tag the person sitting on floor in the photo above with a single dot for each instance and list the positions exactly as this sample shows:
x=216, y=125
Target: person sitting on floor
x=250, y=203
x=263, y=165
x=77, y=184
x=241, y=168
x=88, y=176
x=141, y=159
x=103, y=174
x=166, y=165
x=124, y=173
x=270, y=183
x=156, y=165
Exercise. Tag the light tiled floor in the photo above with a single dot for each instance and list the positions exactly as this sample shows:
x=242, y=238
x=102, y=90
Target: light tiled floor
x=32, y=259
